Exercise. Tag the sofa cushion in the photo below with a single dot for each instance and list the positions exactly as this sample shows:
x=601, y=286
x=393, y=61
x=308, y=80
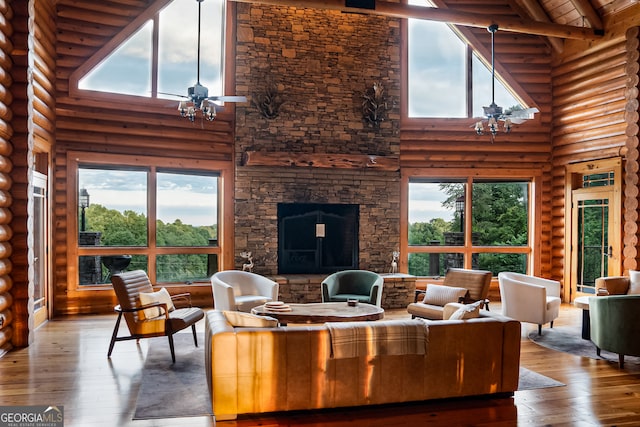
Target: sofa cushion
x=634, y=282
x=161, y=296
x=240, y=319
x=442, y=295
x=465, y=311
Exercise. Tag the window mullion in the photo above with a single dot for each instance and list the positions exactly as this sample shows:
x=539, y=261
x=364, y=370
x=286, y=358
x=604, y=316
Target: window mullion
x=469, y=77
x=154, y=55
x=152, y=218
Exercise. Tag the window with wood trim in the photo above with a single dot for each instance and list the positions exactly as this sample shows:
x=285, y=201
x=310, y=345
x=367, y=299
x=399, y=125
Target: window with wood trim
x=135, y=214
x=468, y=222
x=446, y=78
x=156, y=56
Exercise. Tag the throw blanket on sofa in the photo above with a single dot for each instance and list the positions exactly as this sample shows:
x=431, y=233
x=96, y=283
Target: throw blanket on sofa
x=393, y=337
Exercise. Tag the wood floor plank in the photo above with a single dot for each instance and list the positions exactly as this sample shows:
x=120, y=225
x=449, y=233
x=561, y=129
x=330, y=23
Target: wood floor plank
x=67, y=365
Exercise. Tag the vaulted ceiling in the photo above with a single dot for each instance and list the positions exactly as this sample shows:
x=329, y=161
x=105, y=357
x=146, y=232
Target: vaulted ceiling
x=554, y=19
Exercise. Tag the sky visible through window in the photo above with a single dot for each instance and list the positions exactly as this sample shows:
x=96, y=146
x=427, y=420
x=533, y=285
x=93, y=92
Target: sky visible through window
x=437, y=85
x=128, y=69
x=425, y=203
x=191, y=198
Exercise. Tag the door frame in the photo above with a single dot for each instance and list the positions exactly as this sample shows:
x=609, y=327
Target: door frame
x=44, y=313
x=573, y=183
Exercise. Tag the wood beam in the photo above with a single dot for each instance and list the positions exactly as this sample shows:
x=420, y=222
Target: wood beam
x=586, y=10
x=535, y=11
x=398, y=10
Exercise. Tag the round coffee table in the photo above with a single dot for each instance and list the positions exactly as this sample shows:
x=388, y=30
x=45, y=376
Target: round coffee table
x=322, y=312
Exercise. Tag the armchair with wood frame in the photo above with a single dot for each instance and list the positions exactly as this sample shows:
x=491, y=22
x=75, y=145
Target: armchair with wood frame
x=460, y=285
x=148, y=313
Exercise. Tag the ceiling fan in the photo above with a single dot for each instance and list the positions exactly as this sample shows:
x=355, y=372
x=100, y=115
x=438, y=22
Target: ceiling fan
x=494, y=113
x=198, y=95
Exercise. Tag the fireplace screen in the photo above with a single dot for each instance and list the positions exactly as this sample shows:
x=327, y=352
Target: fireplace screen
x=317, y=238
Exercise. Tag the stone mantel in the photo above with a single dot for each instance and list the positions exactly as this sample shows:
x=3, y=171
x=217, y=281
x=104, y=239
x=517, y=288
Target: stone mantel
x=320, y=160
x=399, y=289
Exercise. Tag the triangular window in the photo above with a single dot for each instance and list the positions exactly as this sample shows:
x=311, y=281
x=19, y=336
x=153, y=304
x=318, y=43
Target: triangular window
x=127, y=70
x=437, y=74
x=166, y=65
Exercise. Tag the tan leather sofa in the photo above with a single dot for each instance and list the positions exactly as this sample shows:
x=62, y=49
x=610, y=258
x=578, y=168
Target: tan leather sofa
x=256, y=370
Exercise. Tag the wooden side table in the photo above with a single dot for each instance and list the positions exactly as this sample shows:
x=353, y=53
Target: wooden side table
x=583, y=303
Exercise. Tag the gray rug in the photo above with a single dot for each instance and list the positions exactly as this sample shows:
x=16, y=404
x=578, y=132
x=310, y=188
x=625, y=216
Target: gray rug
x=530, y=380
x=173, y=390
x=569, y=340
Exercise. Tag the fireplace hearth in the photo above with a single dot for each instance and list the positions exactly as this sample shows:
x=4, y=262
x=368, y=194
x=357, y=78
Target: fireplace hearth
x=317, y=238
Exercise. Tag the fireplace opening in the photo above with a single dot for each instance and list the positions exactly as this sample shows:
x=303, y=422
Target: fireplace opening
x=317, y=238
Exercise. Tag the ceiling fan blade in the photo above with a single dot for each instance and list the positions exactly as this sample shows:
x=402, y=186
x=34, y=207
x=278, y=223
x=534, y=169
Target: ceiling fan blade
x=173, y=94
x=525, y=114
x=228, y=98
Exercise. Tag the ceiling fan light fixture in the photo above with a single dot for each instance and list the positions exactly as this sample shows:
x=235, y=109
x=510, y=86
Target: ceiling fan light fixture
x=187, y=109
x=494, y=113
x=479, y=128
x=507, y=125
x=198, y=95
x=208, y=110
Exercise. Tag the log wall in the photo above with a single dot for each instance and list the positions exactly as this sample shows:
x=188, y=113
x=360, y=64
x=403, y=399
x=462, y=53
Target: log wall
x=7, y=309
x=595, y=117
x=22, y=293
x=33, y=118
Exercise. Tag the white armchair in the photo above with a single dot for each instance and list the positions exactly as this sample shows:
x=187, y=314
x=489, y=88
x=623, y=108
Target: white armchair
x=529, y=299
x=241, y=290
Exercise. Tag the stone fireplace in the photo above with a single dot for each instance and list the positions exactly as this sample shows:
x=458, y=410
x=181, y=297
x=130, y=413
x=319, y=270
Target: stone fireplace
x=316, y=238
x=318, y=150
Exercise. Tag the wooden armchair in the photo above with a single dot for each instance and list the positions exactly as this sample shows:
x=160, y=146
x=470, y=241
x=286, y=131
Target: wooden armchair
x=467, y=286
x=157, y=316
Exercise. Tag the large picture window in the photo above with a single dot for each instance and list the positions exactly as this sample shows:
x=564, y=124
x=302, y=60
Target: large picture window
x=440, y=211
x=163, y=220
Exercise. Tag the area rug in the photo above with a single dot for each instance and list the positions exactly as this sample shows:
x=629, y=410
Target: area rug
x=173, y=390
x=530, y=380
x=569, y=340
x=180, y=390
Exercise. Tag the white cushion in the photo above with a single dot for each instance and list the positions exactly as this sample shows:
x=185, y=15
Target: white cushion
x=469, y=311
x=442, y=295
x=239, y=319
x=634, y=282
x=161, y=296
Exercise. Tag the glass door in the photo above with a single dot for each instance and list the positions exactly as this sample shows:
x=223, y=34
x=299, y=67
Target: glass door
x=592, y=248
x=40, y=252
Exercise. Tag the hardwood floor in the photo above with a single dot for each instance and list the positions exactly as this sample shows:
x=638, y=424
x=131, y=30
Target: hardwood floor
x=67, y=365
